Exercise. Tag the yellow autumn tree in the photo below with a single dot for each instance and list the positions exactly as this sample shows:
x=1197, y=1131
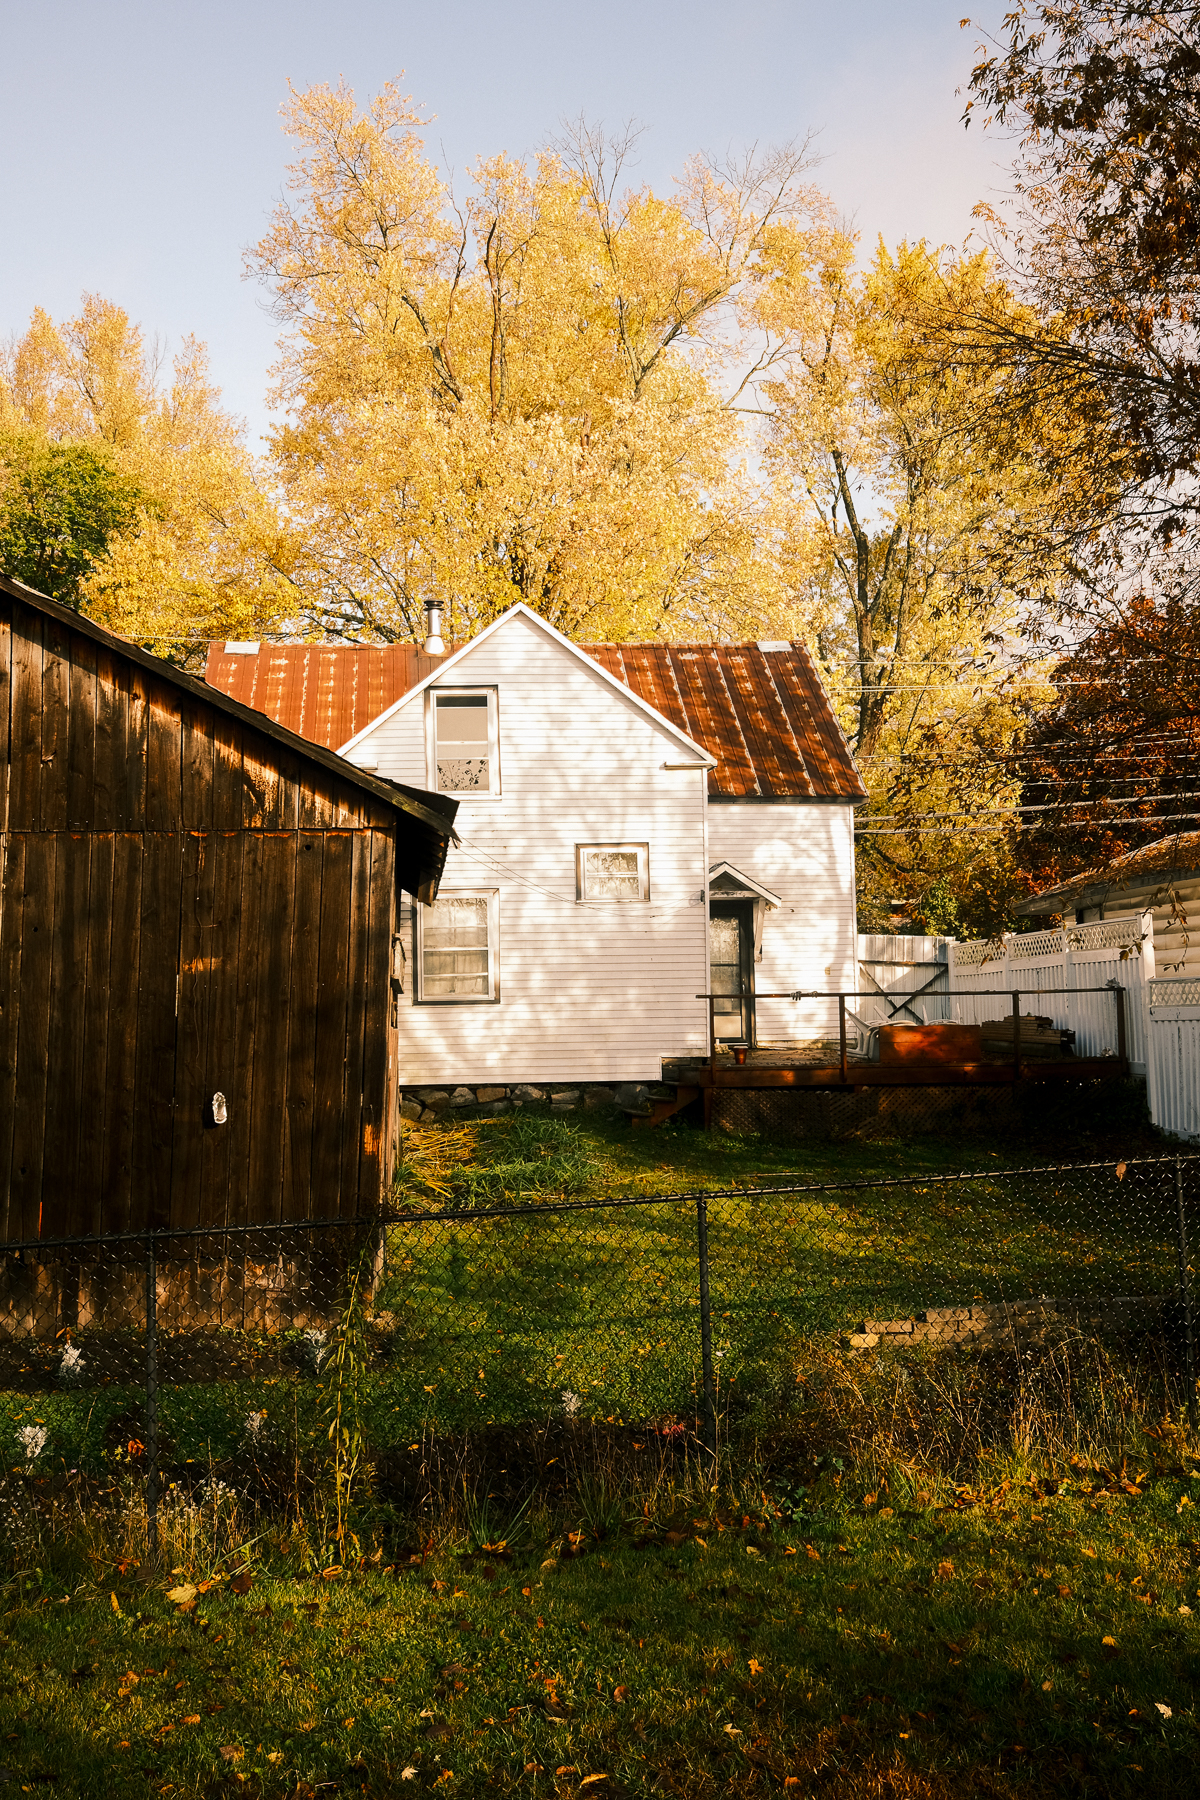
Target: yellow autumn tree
x=918, y=533
x=525, y=394
x=203, y=553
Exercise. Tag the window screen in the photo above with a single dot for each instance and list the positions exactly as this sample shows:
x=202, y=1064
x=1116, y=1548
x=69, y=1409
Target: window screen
x=458, y=947
x=613, y=872
x=464, y=743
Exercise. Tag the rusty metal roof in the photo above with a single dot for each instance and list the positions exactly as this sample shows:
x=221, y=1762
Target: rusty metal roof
x=759, y=709
x=323, y=692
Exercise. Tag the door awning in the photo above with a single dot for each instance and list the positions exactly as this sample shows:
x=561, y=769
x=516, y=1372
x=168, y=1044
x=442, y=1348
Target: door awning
x=727, y=883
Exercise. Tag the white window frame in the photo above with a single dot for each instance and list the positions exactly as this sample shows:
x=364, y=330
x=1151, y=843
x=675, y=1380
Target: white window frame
x=422, y=913
x=583, y=898
x=491, y=695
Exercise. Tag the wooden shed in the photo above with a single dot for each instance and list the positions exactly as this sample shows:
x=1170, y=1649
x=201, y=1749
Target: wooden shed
x=193, y=902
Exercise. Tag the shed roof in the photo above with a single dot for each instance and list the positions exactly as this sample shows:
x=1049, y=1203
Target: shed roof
x=429, y=817
x=1166, y=859
x=759, y=708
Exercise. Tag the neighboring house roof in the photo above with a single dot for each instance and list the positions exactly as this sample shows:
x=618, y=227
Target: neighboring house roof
x=1167, y=859
x=430, y=816
x=759, y=710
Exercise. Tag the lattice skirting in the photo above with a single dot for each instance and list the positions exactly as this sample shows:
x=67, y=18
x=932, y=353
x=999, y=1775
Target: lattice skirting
x=874, y=1112
x=1183, y=992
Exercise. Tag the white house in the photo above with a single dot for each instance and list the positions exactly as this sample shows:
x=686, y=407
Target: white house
x=639, y=825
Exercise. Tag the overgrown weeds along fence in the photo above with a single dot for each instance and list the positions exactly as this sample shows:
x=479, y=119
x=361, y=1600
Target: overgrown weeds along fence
x=317, y=1347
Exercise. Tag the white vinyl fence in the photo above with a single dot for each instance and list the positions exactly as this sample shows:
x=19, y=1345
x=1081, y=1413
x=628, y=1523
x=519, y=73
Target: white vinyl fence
x=902, y=980
x=919, y=980
x=1173, y=1059
x=1050, y=968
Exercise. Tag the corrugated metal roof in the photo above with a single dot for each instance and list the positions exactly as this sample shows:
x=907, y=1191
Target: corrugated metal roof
x=323, y=692
x=759, y=709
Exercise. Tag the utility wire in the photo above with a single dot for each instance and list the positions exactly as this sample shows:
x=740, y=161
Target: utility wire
x=1055, y=806
x=990, y=830
x=480, y=854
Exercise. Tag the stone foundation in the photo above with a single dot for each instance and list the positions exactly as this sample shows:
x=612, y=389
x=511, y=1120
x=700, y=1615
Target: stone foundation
x=443, y=1105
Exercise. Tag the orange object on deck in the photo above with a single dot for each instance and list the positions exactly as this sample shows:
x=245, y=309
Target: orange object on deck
x=946, y=1043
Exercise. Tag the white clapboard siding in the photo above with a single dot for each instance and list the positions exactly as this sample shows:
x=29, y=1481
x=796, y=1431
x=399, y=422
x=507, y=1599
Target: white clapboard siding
x=587, y=992
x=1177, y=932
x=803, y=853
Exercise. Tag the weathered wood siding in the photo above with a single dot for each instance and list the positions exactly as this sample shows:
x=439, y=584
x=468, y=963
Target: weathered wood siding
x=185, y=908
x=804, y=853
x=587, y=992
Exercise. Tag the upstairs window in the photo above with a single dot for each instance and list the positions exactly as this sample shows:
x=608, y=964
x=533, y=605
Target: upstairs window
x=457, y=949
x=464, y=747
x=612, y=872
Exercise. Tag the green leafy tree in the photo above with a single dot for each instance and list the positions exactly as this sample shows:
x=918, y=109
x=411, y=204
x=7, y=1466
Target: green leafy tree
x=60, y=504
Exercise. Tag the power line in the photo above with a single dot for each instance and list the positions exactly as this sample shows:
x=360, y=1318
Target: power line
x=1054, y=806
x=991, y=830
x=480, y=854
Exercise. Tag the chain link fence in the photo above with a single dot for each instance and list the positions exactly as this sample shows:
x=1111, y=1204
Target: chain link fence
x=178, y=1353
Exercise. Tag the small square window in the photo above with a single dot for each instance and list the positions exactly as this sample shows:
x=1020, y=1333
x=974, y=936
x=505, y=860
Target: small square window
x=612, y=873
x=457, y=947
x=463, y=746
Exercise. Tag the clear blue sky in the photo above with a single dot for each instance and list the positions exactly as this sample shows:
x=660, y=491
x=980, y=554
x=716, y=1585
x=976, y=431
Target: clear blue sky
x=143, y=148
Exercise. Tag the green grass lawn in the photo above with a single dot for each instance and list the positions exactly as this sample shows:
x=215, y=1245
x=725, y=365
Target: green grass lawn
x=803, y=1635
x=1005, y=1642
x=505, y=1320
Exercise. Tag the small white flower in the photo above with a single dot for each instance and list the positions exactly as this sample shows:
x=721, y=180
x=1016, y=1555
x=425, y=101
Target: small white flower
x=216, y=1493
x=256, y=1427
x=570, y=1403
x=32, y=1439
x=70, y=1367
x=1164, y=1710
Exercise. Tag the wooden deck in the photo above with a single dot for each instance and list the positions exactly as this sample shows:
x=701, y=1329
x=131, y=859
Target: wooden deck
x=811, y=1067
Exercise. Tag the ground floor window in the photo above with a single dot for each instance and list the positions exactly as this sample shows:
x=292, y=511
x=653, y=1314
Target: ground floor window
x=457, y=947
x=612, y=872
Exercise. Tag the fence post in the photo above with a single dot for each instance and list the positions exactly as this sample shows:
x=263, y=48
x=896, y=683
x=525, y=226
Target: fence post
x=709, y=1433
x=1016, y=1072
x=152, y=1397
x=1185, y=1295
x=1122, y=1044
x=842, y=1033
